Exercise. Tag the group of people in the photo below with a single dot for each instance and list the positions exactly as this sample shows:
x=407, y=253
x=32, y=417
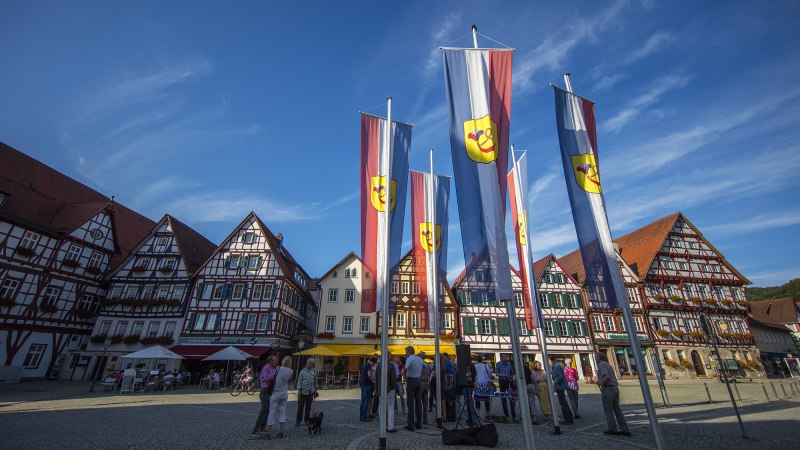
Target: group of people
x=274, y=381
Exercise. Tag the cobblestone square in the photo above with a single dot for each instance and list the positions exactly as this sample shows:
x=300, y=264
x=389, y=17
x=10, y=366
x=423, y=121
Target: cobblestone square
x=66, y=415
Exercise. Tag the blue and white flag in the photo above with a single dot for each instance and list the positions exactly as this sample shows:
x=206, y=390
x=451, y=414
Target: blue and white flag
x=576, y=134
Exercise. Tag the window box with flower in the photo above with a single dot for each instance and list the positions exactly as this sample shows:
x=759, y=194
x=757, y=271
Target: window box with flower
x=662, y=333
x=726, y=302
x=71, y=262
x=138, y=268
x=116, y=339
x=696, y=301
x=675, y=299
x=686, y=364
x=98, y=338
x=741, y=363
x=671, y=363
x=25, y=251
x=165, y=269
x=326, y=335
x=94, y=270
x=725, y=335
x=48, y=307
x=741, y=302
x=752, y=364
x=7, y=302
x=131, y=339
x=372, y=336
x=678, y=333
x=448, y=337
x=83, y=313
x=697, y=334
x=659, y=297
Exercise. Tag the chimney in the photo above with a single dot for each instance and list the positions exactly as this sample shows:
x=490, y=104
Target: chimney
x=279, y=237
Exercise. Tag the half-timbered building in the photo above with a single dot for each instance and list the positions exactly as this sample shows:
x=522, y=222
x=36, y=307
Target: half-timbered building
x=486, y=328
x=148, y=293
x=58, y=238
x=251, y=293
x=606, y=326
x=685, y=276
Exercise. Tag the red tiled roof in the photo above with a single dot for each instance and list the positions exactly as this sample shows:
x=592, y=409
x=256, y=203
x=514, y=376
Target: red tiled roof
x=573, y=265
x=46, y=200
x=194, y=247
x=780, y=311
x=639, y=247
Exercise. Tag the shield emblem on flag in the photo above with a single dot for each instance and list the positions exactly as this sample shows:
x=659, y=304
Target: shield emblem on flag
x=480, y=138
x=377, y=193
x=426, y=238
x=521, y=225
x=586, y=175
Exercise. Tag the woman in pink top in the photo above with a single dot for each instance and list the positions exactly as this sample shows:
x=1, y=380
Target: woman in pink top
x=572, y=382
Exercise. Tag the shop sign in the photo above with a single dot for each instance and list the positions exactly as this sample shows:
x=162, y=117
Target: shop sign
x=624, y=336
x=223, y=341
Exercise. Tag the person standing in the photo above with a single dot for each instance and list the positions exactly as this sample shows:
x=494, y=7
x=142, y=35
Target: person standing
x=533, y=395
x=609, y=393
x=505, y=375
x=544, y=390
x=413, y=372
x=560, y=385
x=424, y=380
x=306, y=389
x=365, y=383
x=400, y=364
x=572, y=386
x=266, y=380
x=483, y=387
x=280, y=396
x=391, y=374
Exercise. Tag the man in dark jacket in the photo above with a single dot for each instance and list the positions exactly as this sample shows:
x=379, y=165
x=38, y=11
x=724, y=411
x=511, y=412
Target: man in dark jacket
x=560, y=385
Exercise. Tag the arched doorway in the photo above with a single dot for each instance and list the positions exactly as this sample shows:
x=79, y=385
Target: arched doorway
x=699, y=367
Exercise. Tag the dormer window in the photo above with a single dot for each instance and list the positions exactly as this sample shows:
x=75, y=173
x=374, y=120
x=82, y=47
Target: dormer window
x=248, y=238
x=29, y=240
x=161, y=242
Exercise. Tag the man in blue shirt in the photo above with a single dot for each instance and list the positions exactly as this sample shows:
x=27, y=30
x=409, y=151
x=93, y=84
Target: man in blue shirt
x=505, y=374
x=560, y=385
x=413, y=372
x=365, y=382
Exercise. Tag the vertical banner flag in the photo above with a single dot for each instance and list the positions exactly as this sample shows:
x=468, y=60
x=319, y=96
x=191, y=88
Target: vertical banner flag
x=517, y=180
x=429, y=194
x=381, y=194
x=478, y=89
x=576, y=133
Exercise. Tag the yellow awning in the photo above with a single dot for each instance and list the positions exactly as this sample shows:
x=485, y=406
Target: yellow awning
x=320, y=350
x=400, y=349
x=356, y=349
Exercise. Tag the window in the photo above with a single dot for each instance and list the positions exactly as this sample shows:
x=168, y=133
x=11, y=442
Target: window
x=349, y=295
x=597, y=323
x=198, y=324
x=347, y=325
x=559, y=300
x=693, y=245
x=263, y=319
x=518, y=299
x=414, y=320
x=51, y=295
x=330, y=324
x=250, y=325
x=268, y=294
x=335, y=274
x=575, y=329
x=364, y=325
x=448, y=321
x=211, y=324
x=86, y=303
x=622, y=324
x=347, y=273
x=137, y=328
x=34, y=356
x=29, y=240
x=162, y=293
x=657, y=324
x=248, y=238
x=161, y=242
x=485, y=326
x=169, y=328
x=637, y=321
x=683, y=266
x=238, y=288
x=401, y=320
x=672, y=324
x=543, y=300
x=548, y=328
x=467, y=298
x=394, y=287
x=152, y=330
x=257, y=291
x=8, y=289
x=105, y=327
x=219, y=291
x=333, y=295
x=116, y=292
x=523, y=327
x=95, y=260
x=416, y=287
x=253, y=262
x=610, y=323
x=667, y=263
x=391, y=320
x=405, y=287
x=562, y=329
x=74, y=253
x=178, y=293
x=353, y=273
x=122, y=327
x=233, y=263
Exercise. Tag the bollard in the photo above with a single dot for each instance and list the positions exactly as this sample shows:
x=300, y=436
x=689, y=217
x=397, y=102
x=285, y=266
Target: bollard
x=736, y=388
x=775, y=391
x=784, y=391
x=708, y=392
x=765, y=392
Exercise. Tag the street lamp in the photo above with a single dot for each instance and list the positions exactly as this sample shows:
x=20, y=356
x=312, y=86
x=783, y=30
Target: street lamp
x=106, y=344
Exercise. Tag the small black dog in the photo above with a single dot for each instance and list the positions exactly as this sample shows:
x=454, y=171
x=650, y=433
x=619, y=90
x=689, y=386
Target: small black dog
x=315, y=422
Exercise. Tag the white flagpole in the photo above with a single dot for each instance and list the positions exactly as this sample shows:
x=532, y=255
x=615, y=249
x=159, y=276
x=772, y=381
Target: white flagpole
x=527, y=260
x=435, y=271
x=385, y=170
x=627, y=318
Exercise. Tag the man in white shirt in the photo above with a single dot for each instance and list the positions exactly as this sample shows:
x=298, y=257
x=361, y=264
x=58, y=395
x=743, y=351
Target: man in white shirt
x=413, y=373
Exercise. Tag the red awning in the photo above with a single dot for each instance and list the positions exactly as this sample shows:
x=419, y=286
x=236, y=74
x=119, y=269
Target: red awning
x=201, y=351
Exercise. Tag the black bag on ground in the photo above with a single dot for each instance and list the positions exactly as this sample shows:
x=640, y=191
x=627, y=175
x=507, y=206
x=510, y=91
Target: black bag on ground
x=484, y=435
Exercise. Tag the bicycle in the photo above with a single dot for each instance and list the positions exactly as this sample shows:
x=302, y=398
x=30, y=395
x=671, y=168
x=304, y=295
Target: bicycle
x=238, y=386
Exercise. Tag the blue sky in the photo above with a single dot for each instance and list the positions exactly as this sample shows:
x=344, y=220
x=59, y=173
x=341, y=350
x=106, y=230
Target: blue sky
x=209, y=110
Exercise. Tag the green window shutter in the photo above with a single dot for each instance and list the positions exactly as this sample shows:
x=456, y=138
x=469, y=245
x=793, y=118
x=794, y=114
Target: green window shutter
x=219, y=319
x=492, y=327
x=460, y=296
x=469, y=326
x=578, y=302
x=199, y=291
x=571, y=328
x=556, y=328
x=228, y=291
x=190, y=323
x=502, y=327
x=260, y=261
x=583, y=329
x=244, y=322
x=244, y=291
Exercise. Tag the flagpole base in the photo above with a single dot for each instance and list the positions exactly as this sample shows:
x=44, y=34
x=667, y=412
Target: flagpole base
x=557, y=430
x=439, y=423
x=382, y=443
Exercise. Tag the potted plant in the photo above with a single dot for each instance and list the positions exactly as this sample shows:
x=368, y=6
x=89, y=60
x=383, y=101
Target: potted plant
x=659, y=297
x=25, y=251
x=326, y=335
x=678, y=333
x=147, y=340
x=84, y=313
x=71, y=262
x=48, y=308
x=165, y=269
x=696, y=300
x=727, y=302
x=98, y=338
x=674, y=298
x=725, y=335
x=671, y=363
x=447, y=337
x=662, y=333
x=173, y=303
x=752, y=364
x=741, y=302
x=131, y=339
x=7, y=302
x=697, y=334
x=371, y=336
x=741, y=363
x=138, y=268
x=686, y=364
x=95, y=270
x=165, y=340
x=116, y=339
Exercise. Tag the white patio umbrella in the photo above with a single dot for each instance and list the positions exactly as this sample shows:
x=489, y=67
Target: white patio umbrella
x=229, y=354
x=154, y=352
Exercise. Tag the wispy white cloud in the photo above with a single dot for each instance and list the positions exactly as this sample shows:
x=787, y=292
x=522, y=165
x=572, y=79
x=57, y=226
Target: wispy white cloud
x=635, y=107
x=607, y=81
x=657, y=41
x=541, y=185
x=757, y=223
x=774, y=277
x=233, y=205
